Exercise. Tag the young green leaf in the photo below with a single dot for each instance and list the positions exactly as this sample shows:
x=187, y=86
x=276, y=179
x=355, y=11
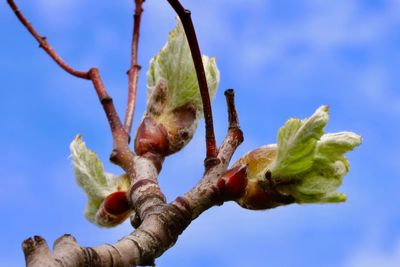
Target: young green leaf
x=92, y=178
x=174, y=66
x=296, y=143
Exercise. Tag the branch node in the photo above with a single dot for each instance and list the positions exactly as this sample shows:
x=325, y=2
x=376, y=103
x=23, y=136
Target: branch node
x=114, y=156
x=211, y=162
x=135, y=220
x=106, y=100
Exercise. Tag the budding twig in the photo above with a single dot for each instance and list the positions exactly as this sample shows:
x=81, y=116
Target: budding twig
x=133, y=72
x=184, y=15
x=121, y=154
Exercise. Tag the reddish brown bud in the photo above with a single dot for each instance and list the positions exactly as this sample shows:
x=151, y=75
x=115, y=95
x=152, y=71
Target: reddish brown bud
x=261, y=195
x=233, y=183
x=151, y=137
x=116, y=203
x=114, y=210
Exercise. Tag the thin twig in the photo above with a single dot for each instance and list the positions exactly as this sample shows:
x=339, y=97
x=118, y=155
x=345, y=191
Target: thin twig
x=121, y=154
x=119, y=134
x=233, y=121
x=133, y=72
x=185, y=16
x=45, y=45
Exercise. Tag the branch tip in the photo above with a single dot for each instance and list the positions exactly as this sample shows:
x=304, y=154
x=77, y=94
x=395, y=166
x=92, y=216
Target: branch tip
x=233, y=120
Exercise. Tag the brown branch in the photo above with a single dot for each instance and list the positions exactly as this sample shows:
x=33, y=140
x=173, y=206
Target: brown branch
x=162, y=223
x=133, y=72
x=121, y=154
x=185, y=16
x=45, y=45
x=205, y=194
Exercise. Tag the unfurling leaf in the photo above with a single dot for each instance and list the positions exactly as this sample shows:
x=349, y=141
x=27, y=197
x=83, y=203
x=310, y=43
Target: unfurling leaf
x=174, y=104
x=306, y=166
x=92, y=178
x=174, y=66
x=296, y=143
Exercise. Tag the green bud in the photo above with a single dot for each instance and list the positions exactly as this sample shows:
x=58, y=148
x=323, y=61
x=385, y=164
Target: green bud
x=174, y=104
x=306, y=166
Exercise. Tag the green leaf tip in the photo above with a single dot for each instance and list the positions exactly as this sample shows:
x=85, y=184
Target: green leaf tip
x=174, y=66
x=92, y=178
x=296, y=143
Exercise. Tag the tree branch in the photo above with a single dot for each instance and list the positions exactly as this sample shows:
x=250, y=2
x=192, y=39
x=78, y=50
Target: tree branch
x=162, y=223
x=121, y=154
x=185, y=16
x=133, y=72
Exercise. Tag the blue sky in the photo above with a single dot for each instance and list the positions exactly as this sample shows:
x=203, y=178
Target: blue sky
x=284, y=58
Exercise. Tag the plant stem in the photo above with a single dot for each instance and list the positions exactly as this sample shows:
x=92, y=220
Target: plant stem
x=185, y=16
x=133, y=72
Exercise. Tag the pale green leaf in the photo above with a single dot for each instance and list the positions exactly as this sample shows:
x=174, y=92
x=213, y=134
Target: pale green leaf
x=174, y=65
x=297, y=142
x=312, y=160
x=89, y=170
x=329, y=167
x=92, y=178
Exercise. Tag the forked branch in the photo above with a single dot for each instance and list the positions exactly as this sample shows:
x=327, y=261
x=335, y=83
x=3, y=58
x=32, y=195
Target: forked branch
x=185, y=16
x=162, y=223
